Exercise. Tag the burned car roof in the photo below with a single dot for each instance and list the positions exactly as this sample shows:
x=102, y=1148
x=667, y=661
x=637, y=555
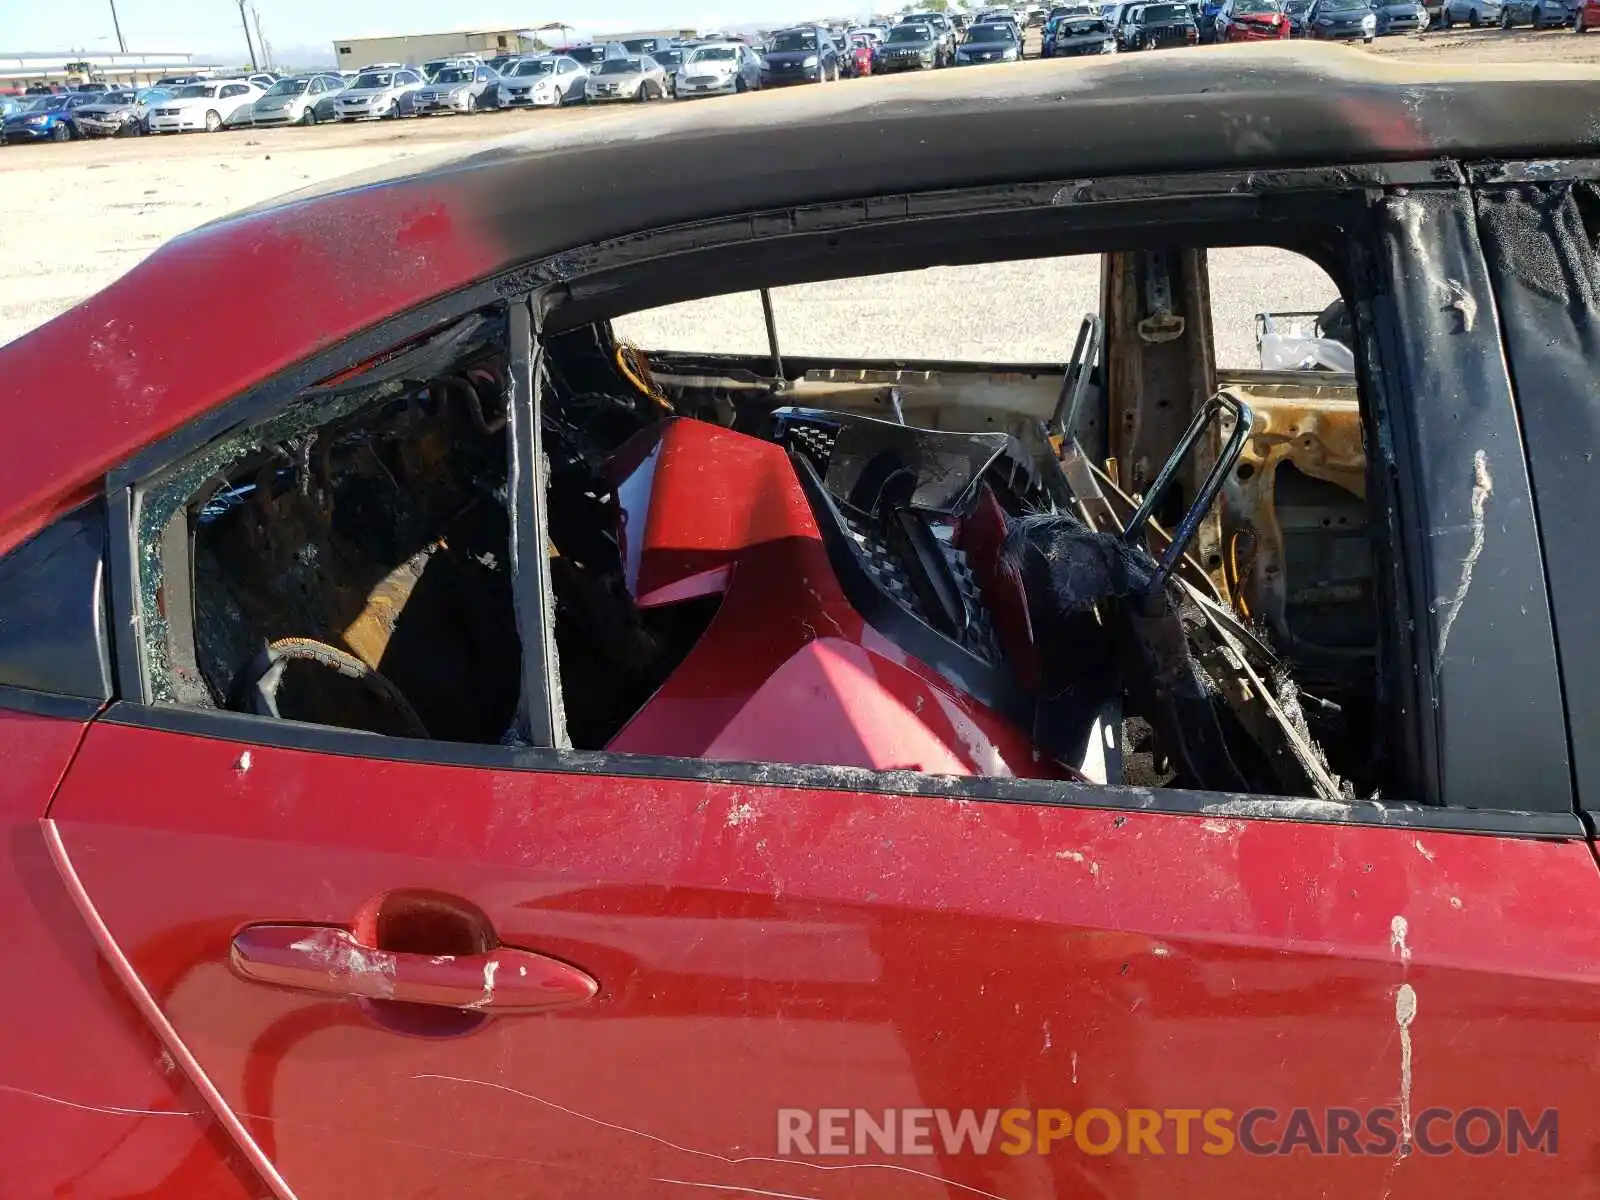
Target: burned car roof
x=363, y=249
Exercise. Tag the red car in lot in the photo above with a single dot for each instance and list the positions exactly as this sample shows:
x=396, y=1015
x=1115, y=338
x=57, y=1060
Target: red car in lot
x=453, y=751
x=1585, y=16
x=860, y=55
x=1252, y=21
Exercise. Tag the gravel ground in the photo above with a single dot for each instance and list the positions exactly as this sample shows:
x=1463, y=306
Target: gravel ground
x=74, y=217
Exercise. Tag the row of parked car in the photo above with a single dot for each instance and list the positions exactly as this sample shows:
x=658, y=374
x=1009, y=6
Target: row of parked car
x=646, y=69
x=641, y=70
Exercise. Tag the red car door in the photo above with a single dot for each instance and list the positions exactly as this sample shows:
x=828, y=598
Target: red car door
x=765, y=953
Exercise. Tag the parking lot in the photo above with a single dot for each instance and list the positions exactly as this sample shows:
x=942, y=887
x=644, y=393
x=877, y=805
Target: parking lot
x=75, y=216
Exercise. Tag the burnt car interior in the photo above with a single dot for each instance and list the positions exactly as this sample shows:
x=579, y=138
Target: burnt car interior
x=1127, y=567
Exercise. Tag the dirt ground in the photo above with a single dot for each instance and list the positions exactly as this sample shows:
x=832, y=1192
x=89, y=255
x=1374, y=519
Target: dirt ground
x=73, y=217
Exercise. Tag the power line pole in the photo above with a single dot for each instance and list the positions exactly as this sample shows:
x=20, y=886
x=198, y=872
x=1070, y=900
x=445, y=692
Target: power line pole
x=122, y=46
x=261, y=39
x=245, y=21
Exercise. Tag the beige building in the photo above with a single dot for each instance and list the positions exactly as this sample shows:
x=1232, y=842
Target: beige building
x=416, y=49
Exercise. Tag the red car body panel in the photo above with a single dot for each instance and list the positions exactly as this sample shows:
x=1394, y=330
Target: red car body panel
x=1257, y=28
x=764, y=947
x=710, y=511
x=1590, y=13
x=90, y=1105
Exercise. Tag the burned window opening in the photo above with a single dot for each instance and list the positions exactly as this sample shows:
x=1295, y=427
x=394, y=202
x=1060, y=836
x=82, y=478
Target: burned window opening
x=845, y=549
x=347, y=562
x=840, y=567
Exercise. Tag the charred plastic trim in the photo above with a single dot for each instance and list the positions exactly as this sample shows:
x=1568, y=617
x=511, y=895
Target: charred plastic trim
x=126, y=627
x=48, y=704
x=539, y=714
x=1488, y=691
x=1547, y=284
x=54, y=629
x=242, y=729
x=988, y=685
x=833, y=241
x=1547, y=170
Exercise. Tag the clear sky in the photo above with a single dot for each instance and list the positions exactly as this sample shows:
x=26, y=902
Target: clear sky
x=301, y=28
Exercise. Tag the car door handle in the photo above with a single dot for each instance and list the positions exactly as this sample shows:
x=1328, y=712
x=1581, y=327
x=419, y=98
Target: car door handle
x=332, y=960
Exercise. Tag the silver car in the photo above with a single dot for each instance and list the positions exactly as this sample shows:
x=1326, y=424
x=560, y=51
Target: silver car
x=548, y=81
x=121, y=113
x=637, y=77
x=375, y=94
x=1470, y=12
x=718, y=70
x=463, y=89
x=298, y=100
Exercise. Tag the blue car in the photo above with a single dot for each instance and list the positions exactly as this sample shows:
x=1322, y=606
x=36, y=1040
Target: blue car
x=1207, y=20
x=41, y=119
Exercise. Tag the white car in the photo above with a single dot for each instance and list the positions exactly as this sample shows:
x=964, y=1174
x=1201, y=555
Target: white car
x=206, y=106
x=717, y=70
x=549, y=81
x=375, y=94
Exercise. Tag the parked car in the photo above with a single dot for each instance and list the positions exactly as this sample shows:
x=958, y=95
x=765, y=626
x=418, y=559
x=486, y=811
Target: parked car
x=1071, y=37
x=909, y=48
x=803, y=54
x=670, y=59
x=592, y=54
x=637, y=77
x=379, y=94
x=1296, y=11
x=1541, y=14
x=718, y=69
x=946, y=32
x=860, y=52
x=118, y=114
x=1341, y=20
x=1252, y=21
x=990, y=43
x=172, y=81
x=500, y=62
x=645, y=45
x=263, y=79
x=548, y=81
x=1035, y=17
x=1470, y=12
x=203, y=106
x=1399, y=16
x=298, y=100
x=1585, y=16
x=41, y=119
x=462, y=89
x=383, y=66
x=1158, y=27
x=432, y=67
x=1207, y=20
